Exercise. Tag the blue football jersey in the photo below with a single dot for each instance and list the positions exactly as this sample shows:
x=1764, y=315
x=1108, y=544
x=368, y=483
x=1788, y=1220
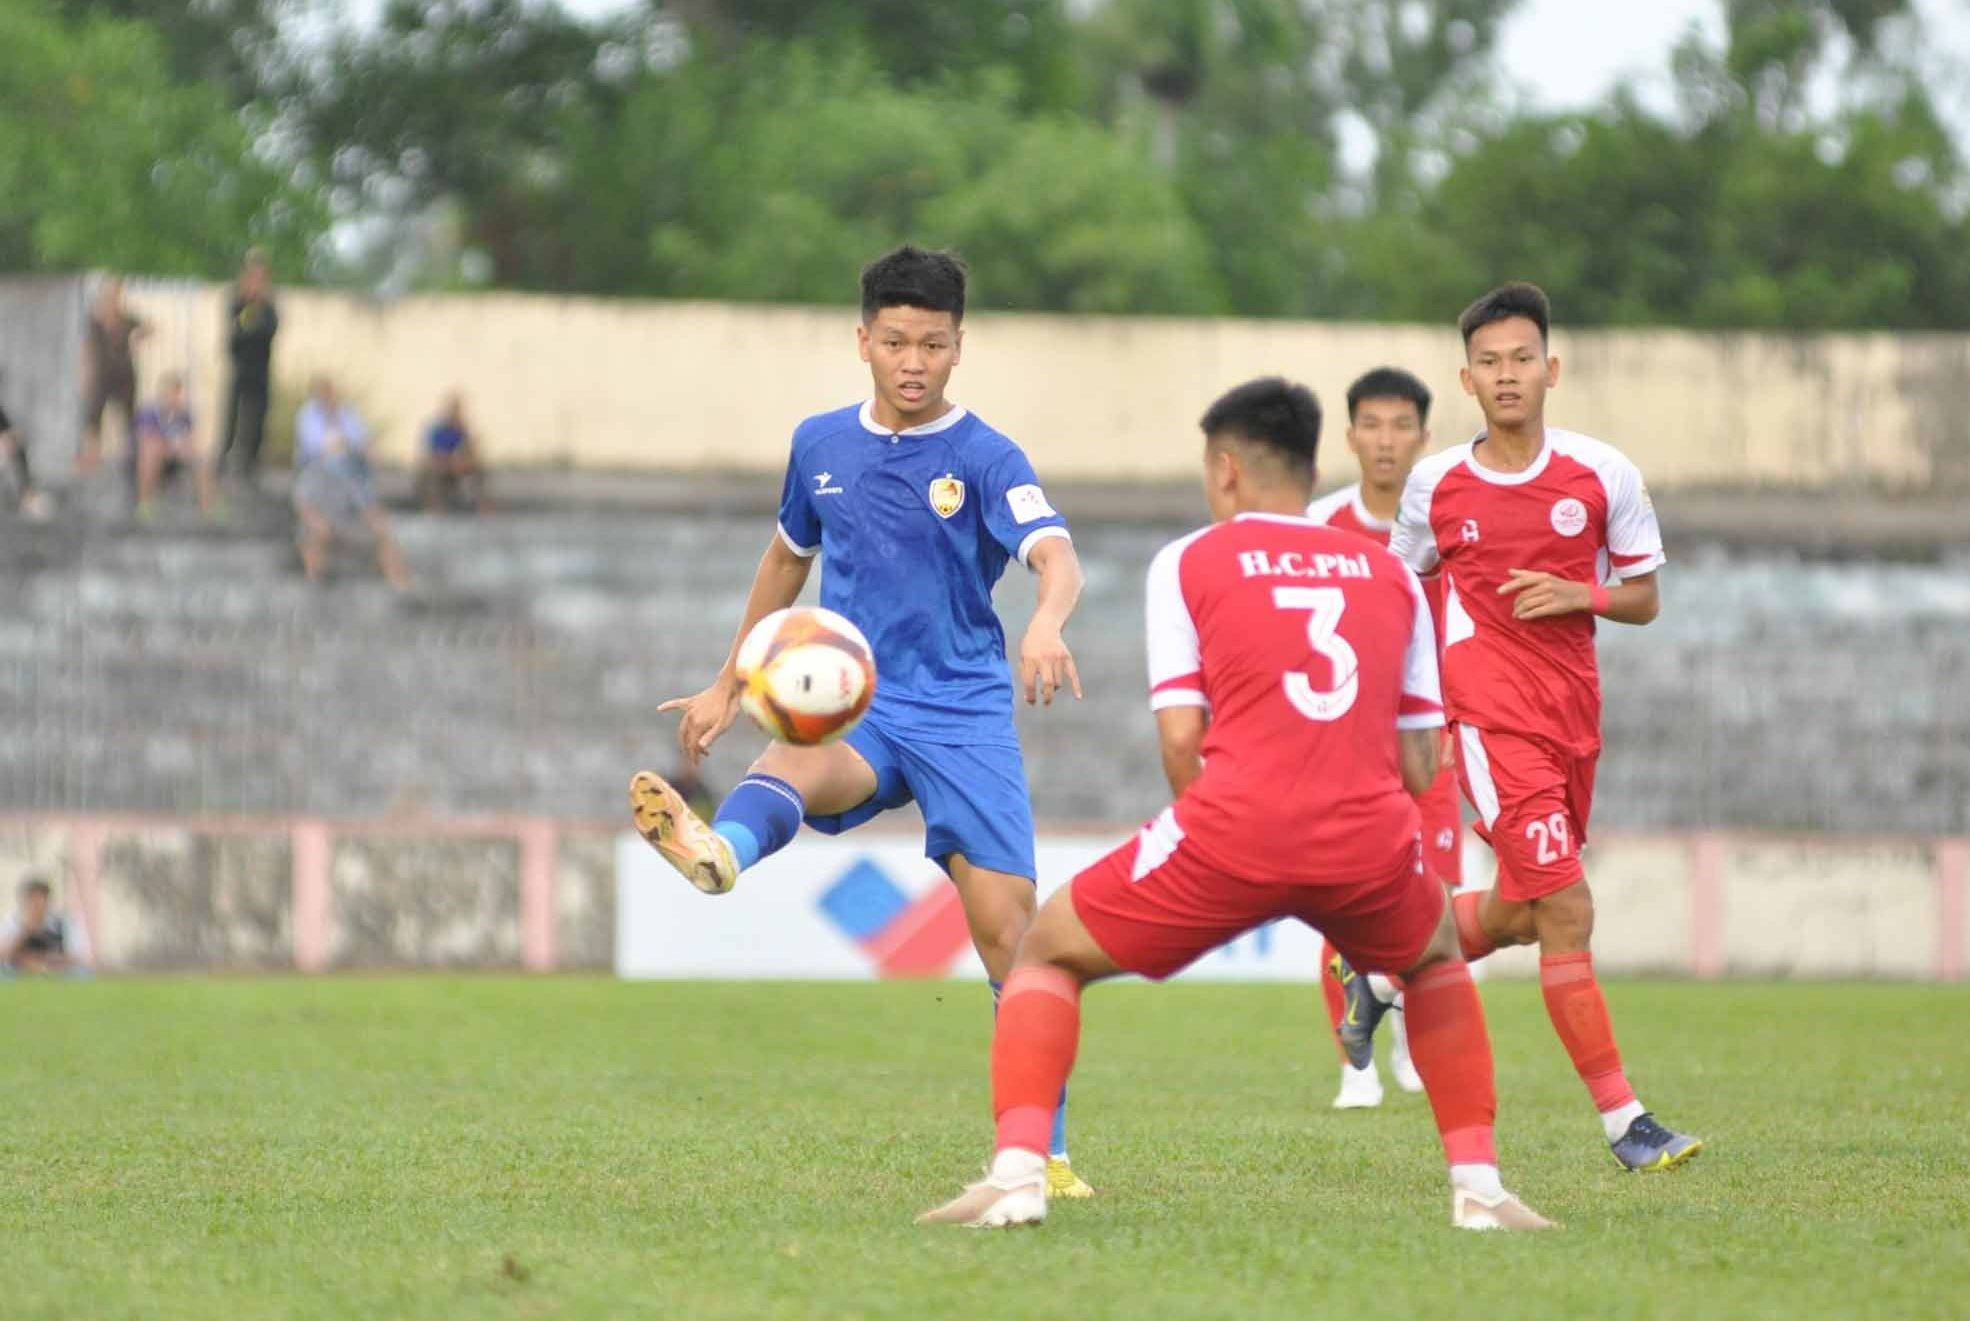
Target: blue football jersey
x=914, y=529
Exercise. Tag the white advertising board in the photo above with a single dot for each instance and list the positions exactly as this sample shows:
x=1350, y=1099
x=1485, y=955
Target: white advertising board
x=861, y=907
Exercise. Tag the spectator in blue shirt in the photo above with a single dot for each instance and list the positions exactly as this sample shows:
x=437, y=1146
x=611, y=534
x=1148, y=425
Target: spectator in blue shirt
x=451, y=466
x=167, y=445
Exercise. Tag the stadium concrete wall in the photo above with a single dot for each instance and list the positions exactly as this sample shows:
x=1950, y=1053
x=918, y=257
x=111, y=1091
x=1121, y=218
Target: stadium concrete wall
x=618, y=385
x=176, y=893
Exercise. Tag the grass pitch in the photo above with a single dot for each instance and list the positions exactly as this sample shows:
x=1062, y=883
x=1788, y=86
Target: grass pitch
x=463, y=1147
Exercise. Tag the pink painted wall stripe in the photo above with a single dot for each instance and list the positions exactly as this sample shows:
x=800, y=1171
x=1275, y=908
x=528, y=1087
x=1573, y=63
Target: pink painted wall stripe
x=85, y=866
x=1707, y=957
x=539, y=843
x=308, y=905
x=1952, y=906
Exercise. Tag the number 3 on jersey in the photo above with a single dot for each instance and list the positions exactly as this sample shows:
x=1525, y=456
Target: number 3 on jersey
x=1326, y=605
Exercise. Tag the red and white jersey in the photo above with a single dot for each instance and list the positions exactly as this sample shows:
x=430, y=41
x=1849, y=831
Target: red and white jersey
x=1343, y=508
x=1309, y=649
x=1579, y=512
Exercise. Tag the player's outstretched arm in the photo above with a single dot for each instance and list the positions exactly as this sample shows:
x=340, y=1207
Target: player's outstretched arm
x=708, y=714
x=1538, y=595
x=1045, y=664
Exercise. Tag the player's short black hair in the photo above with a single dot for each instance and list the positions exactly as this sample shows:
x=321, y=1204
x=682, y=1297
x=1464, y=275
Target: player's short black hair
x=1502, y=304
x=1274, y=412
x=1390, y=383
x=914, y=277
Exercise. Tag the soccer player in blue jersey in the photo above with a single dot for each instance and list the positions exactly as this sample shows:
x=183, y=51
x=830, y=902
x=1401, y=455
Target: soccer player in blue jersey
x=916, y=505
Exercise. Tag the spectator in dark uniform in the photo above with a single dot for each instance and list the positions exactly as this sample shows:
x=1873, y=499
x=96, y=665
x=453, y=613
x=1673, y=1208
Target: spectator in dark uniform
x=109, y=372
x=254, y=321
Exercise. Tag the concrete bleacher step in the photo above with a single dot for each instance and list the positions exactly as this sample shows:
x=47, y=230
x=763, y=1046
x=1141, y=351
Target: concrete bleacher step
x=185, y=667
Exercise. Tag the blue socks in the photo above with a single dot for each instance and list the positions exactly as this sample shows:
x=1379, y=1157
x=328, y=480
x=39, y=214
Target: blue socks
x=759, y=817
x=1057, y=1144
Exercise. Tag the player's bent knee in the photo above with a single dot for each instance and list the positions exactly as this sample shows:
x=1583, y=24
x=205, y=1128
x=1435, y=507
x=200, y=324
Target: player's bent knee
x=1052, y=933
x=1564, y=920
x=830, y=779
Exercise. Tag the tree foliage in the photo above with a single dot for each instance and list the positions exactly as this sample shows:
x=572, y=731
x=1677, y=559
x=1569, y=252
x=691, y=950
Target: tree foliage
x=1181, y=156
x=107, y=160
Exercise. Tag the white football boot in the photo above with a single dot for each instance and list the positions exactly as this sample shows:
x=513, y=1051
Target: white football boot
x=1013, y=1192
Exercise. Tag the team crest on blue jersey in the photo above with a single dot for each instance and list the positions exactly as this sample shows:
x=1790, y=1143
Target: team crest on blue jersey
x=947, y=495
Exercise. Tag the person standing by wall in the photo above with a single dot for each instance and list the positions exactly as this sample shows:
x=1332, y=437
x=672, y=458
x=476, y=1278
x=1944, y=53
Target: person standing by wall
x=109, y=371
x=253, y=323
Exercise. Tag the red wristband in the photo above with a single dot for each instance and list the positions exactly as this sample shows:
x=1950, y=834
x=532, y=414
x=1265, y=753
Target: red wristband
x=1597, y=601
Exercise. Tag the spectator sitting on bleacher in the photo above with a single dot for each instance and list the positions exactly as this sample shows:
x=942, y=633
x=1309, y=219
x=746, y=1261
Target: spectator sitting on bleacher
x=451, y=466
x=334, y=488
x=37, y=939
x=167, y=445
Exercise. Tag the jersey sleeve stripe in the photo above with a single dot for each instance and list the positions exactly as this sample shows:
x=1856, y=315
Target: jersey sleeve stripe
x=805, y=552
x=1414, y=705
x=1165, y=698
x=1036, y=536
x=1421, y=720
x=1194, y=682
x=1626, y=566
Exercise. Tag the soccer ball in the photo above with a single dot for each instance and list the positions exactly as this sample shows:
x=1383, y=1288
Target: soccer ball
x=806, y=675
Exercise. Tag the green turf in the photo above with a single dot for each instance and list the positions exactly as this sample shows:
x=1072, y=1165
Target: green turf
x=456, y=1147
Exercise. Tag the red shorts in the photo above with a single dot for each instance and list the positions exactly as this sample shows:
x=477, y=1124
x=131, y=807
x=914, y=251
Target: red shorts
x=1443, y=822
x=1532, y=802
x=1154, y=907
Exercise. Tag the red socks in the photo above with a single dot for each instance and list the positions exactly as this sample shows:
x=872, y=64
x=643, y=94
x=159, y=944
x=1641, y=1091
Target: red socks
x=1470, y=935
x=1039, y=1029
x=1452, y=1050
x=1579, y=1013
x=1331, y=992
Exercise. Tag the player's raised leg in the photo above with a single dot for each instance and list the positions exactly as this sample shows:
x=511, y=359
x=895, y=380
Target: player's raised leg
x=758, y=818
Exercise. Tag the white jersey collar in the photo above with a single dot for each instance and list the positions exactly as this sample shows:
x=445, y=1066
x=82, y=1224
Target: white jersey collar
x=1496, y=478
x=1365, y=518
x=944, y=423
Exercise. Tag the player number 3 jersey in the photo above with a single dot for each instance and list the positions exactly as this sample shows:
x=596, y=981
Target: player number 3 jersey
x=1309, y=648
x=1579, y=512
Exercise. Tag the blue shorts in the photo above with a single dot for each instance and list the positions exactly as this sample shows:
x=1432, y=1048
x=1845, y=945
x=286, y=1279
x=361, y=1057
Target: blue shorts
x=974, y=799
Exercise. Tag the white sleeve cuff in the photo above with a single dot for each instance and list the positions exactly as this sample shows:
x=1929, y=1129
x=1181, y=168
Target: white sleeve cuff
x=1422, y=720
x=1649, y=565
x=1171, y=697
x=1036, y=536
x=805, y=552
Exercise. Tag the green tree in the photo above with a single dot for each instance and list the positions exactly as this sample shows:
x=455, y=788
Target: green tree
x=105, y=161
x=935, y=42
x=233, y=43
x=1746, y=210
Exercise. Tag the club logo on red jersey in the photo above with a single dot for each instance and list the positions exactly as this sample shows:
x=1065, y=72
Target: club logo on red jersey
x=947, y=495
x=1569, y=517
x=1470, y=532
